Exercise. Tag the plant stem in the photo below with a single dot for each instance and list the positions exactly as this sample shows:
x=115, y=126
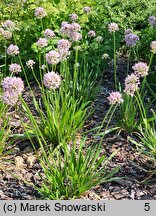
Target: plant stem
x=128, y=63
x=115, y=79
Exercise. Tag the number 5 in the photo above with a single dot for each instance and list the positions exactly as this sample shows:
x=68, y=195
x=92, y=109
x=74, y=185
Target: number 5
x=147, y=207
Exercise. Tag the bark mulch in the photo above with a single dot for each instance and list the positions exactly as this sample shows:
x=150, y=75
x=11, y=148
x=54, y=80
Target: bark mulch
x=21, y=165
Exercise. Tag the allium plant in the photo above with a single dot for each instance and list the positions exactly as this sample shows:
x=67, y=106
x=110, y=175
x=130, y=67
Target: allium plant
x=40, y=13
x=9, y=25
x=87, y=9
x=4, y=127
x=153, y=47
x=70, y=171
x=52, y=57
x=115, y=98
x=7, y=35
x=112, y=28
x=41, y=43
x=73, y=17
x=51, y=80
x=15, y=68
x=131, y=41
x=13, y=50
x=131, y=84
x=99, y=39
x=91, y=34
x=12, y=89
x=146, y=141
x=49, y=34
x=140, y=69
x=152, y=20
x=30, y=63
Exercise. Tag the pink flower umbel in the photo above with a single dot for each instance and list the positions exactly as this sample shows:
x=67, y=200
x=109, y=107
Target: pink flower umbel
x=48, y=33
x=140, y=69
x=64, y=53
x=13, y=50
x=86, y=9
x=30, y=63
x=12, y=88
x=63, y=48
x=40, y=13
x=9, y=98
x=75, y=36
x=53, y=57
x=75, y=27
x=128, y=31
x=41, y=43
x=131, y=39
x=99, y=39
x=63, y=44
x=115, y=98
x=131, y=84
x=152, y=20
x=65, y=28
x=91, y=34
x=13, y=84
x=7, y=35
x=113, y=27
x=153, y=47
x=51, y=80
x=73, y=17
x=8, y=24
x=15, y=68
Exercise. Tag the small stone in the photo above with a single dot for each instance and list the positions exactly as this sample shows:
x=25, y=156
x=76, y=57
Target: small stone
x=19, y=162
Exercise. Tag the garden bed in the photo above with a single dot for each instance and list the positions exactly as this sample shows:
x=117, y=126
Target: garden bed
x=20, y=169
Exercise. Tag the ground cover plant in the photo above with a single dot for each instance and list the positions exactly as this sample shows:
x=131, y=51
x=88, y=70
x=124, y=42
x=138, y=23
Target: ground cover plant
x=54, y=60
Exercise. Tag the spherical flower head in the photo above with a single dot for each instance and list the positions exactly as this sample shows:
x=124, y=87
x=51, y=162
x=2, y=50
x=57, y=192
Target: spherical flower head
x=41, y=43
x=12, y=50
x=77, y=65
x=105, y=56
x=7, y=35
x=99, y=39
x=43, y=67
x=77, y=48
x=48, y=33
x=30, y=63
x=91, y=34
x=63, y=44
x=73, y=16
x=113, y=27
x=115, y=98
x=10, y=98
x=13, y=84
x=153, y=47
x=15, y=68
x=75, y=27
x=152, y=20
x=40, y=13
x=128, y=31
x=140, y=69
x=66, y=28
x=131, y=84
x=53, y=57
x=51, y=80
x=64, y=53
x=131, y=39
x=75, y=36
x=86, y=9
x=8, y=24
